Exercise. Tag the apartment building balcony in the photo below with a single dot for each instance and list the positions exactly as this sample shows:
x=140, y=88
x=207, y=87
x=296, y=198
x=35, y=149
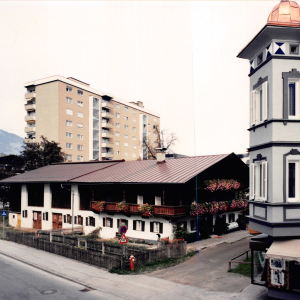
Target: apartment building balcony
x=29, y=129
x=107, y=105
x=107, y=154
x=107, y=125
x=107, y=145
x=107, y=115
x=107, y=134
x=29, y=141
x=30, y=118
x=158, y=210
x=30, y=106
x=29, y=96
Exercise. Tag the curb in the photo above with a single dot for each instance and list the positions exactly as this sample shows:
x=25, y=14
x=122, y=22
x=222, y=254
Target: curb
x=49, y=271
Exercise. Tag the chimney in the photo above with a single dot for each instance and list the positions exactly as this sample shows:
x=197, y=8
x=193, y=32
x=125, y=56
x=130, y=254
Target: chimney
x=160, y=155
x=140, y=103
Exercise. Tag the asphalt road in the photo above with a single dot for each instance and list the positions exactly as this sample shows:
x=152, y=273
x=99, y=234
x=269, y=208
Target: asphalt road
x=21, y=281
x=209, y=269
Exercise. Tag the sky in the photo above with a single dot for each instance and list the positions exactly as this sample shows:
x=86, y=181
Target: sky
x=178, y=57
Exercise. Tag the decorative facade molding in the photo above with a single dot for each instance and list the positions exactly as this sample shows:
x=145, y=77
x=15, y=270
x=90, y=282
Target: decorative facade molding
x=259, y=82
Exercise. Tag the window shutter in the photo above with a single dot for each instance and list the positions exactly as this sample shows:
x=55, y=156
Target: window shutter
x=87, y=221
x=23, y=214
x=70, y=219
x=111, y=223
x=104, y=222
x=134, y=225
x=265, y=180
x=161, y=227
x=265, y=100
x=26, y=213
x=43, y=216
x=151, y=226
x=46, y=216
x=252, y=181
x=252, y=108
x=118, y=223
x=65, y=219
x=143, y=225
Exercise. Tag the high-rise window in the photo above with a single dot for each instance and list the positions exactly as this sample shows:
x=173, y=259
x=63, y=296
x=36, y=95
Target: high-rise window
x=80, y=103
x=125, y=108
x=69, y=123
x=69, y=112
x=117, y=124
x=80, y=147
x=79, y=114
x=117, y=133
x=134, y=111
x=292, y=179
x=69, y=134
x=80, y=92
x=117, y=115
x=126, y=126
x=134, y=138
x=68, y=145
x=68, y=157
x=68, y=88
x=69, y=100
x=126, y=144
x=134, y=129
x=79, y=125
x=80, y=136
x=125, y=118
x=79, y=158
x=117, y=152
x=126, y=136
x=118, y=143
x=117, y=105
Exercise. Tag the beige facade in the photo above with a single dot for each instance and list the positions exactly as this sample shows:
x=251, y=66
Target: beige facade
x=87, y=123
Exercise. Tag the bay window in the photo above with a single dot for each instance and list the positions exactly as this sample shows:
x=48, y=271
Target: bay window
x=292, y=185
x=293, y=103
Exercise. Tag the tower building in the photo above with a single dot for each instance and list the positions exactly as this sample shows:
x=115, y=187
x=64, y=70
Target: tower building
x=88, y=124
x=274, y=201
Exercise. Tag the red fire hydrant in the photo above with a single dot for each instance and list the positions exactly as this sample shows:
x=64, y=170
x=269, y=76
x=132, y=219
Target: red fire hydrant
x=132, y=258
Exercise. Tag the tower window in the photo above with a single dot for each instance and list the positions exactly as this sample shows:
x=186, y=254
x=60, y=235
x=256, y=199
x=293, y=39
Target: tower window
x=292, y=99
x=294, y=49
x=259, y=59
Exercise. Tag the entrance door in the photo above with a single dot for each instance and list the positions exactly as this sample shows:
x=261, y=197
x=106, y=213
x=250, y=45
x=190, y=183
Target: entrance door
x=37, y=220
x=56, y=221
x=19, y=220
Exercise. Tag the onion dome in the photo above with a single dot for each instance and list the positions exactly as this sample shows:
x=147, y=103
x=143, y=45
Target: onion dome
x=286, y=13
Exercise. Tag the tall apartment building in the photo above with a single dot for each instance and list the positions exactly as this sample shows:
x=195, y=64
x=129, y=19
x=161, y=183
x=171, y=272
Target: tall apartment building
x=87, y=123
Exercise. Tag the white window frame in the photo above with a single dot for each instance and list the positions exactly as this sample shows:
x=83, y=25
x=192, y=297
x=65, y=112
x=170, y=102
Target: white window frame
x=69, y=123
x=117, y=143
x=157, y=200
x=126, y=127
x=125, y=108
x=134, y=146
x=133, y=137
x=80, y=136
x=156, y=227
x=117, y=133
x=118, y=115
x=80, y=125
x=80, y=103
x=79, y=158
x=126, y=136
x=297, y=101
x=69, y=134
x=125, y=144
x=69, y=88
x=79, y=114
x=68, y=157
x=125, y=118
x=118, y=125
x=259, y=181
x=117, y=105
x=69, y=100
x=68, y=145
x=138, y=225
x=117, y=152
x=79, y=92
x=80, y=147
x=134, y=129
x=255, y=109
x=69, y=112
x=294, y=159
x=134, y=111
x=140, y=200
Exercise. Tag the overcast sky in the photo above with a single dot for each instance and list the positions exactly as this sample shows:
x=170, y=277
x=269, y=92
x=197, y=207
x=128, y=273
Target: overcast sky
x=179, y=58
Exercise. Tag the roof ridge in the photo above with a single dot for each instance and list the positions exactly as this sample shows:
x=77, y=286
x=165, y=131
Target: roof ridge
x=97, y=170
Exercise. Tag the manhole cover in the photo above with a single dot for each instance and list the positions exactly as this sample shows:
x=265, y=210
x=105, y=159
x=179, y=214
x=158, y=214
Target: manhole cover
x=48, y=292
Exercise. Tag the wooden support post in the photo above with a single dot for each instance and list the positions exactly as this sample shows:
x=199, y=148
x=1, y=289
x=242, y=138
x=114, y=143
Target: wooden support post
x=229, y=265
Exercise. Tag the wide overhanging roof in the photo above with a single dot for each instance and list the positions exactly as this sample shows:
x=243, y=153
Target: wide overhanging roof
x=178, y=170
x=268, y=33
x=287, y=249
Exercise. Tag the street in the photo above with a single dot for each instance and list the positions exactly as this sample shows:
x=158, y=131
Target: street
x=210, y=272
x=20, y=281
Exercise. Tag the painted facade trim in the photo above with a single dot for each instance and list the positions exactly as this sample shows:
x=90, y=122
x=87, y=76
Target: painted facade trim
x=273, y=144
x=265, y=123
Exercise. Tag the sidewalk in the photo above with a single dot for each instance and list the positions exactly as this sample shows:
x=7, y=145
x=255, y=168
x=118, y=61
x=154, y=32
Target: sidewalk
x=216, y=240
x=121, y=286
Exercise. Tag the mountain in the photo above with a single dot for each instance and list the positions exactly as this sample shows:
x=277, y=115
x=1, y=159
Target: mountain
x=10, y=143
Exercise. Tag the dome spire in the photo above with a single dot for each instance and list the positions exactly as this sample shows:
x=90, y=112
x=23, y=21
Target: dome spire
x=286, y=13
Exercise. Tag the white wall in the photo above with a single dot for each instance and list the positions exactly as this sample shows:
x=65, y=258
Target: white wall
x=13, y=219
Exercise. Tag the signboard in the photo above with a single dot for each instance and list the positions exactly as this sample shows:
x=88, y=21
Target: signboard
x=123, y=229
x=4, y=213
x=123, y=239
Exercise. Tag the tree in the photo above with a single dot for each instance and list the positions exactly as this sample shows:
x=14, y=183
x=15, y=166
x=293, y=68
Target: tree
x=163, y=139
x=41, y=154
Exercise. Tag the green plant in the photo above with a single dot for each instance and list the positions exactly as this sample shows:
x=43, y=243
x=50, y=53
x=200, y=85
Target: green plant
x=146, y=210
x=100, y=206
x=122, y=206
x=180, y=232
x=243, y=269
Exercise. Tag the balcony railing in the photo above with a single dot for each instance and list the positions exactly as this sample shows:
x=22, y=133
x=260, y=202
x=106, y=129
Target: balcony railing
x=107, y=125
x=158, y=210
x=30, y=118
x=30, y=106
x=107, y=105
x=29, y=129
x=107, y=115
x=28, y=141
x=29, y=96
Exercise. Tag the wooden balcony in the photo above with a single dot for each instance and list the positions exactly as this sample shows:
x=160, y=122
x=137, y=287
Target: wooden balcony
x=158, y=210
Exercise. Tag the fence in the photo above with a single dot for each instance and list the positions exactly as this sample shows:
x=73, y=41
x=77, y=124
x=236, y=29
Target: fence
x=100, y=254
x=233, y=260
